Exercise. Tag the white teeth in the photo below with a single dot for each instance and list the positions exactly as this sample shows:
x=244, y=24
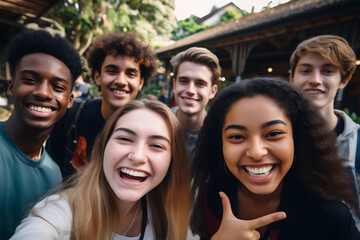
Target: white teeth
x=133, y=173
x=119, y=92
x=314, y=91
x=40, y=109
x=259, y=172
x=189, y=100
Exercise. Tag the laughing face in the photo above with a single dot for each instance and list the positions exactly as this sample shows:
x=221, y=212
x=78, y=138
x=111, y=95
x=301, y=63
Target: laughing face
x=120, y=81
x=318, y=79
x=40, y=90
x=258, y=143
x=193, y=88
x=138, y=154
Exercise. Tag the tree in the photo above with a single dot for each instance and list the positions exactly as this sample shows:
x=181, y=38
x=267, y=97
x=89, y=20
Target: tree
x=232, y=14
x=188, y=27
x=85, y=19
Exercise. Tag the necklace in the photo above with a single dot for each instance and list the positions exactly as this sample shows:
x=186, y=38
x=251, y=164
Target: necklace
x=124, y=234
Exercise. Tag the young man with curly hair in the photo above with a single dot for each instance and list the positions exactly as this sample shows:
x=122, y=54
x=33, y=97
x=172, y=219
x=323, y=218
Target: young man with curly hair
x=121, y=64
x=42, y=79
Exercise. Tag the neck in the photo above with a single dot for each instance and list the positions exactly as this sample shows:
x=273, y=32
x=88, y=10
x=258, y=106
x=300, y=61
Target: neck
x=329, y=116
x=28, y=140
x=130, y=218
x=106, y=110
x=191, y=122
x=253, y=206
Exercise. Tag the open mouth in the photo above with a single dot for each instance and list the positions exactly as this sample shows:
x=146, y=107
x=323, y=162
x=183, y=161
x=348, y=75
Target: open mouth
x=133, y=175
x=189, y=100
x=120, y=92
x=314, y=91
x=259, y=171
x=40, y=109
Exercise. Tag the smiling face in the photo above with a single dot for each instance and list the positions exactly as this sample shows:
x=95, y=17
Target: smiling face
x=144, y=135
x=40, y=90
x=120, y=81
x=318, y=79
x=258, y=145
x=192, y=88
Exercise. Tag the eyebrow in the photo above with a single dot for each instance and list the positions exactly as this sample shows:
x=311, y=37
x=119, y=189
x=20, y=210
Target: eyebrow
x=265, y=125
x=39, y=76
x=134, y=134
x=117, y=67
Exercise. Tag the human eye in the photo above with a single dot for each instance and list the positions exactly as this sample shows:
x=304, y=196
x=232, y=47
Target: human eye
x=59, y=87
x=304, y=70
x=201, y=84
x=29, y=80
x=111, y=71
x=124, y=139
x=183, y=81
x=328, y=71
x=158, y=146
x=275, y=134
x=132, y=74
x=236, y=137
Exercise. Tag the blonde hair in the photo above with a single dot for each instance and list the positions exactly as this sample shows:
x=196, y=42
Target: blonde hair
x=201, y=56
x=92, y=201
x=333, y=49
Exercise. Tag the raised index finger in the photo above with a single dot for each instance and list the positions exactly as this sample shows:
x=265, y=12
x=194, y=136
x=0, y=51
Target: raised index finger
x=265, y=220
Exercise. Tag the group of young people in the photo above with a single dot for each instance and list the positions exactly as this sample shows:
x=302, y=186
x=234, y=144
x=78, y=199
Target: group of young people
x=271, y=159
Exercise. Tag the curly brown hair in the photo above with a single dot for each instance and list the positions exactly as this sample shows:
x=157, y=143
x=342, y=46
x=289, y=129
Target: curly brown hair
x=128, y=44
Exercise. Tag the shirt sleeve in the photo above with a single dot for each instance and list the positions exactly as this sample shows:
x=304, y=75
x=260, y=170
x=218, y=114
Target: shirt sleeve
x=50, y=219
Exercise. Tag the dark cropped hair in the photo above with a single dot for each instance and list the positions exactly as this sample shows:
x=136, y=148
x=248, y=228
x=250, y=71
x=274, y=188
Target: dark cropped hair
x=317, y=169
x=127, y=44
x=41, y=41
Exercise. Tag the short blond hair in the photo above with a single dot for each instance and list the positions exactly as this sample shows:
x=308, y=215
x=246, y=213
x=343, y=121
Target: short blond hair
x=201, y=56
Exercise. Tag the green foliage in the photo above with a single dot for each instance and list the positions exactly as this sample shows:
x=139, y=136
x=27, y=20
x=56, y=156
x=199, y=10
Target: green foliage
x=188, y=27
x=353, y=115
x=153, y=89
x=85, y=19
x=232, y=14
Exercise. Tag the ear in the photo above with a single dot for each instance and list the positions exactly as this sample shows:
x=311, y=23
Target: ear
x=141, y=84
x=97, y=78
x=10, y=90
x=214, y=89
x=71, y=100
x=291, y=79
x=344, y=82
x=173, y=84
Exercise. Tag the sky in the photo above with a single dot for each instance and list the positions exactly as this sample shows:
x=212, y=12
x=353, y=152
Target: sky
x=199, y=8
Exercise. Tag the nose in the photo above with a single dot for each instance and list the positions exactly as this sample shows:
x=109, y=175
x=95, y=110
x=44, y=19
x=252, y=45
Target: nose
x=190, y=90
x=316, y=78
x=256, y=149
x=121, y=79
x=138, y=154
x=44, y=90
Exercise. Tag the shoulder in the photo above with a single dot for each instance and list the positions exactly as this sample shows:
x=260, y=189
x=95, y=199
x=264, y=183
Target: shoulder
x=50, y=218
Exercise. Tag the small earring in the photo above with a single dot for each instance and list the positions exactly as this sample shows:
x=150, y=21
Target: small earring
x=129, y=156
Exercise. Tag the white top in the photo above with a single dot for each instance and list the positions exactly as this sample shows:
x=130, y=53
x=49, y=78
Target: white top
x=55, y=219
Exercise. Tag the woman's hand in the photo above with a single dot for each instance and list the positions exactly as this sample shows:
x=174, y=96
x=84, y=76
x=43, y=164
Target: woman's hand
x=237, y=229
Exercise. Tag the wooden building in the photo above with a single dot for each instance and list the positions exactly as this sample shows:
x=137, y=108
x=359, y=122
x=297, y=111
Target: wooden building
x=262, y=43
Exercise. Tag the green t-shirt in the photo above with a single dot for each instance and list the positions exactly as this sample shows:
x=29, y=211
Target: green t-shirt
x=23, y=182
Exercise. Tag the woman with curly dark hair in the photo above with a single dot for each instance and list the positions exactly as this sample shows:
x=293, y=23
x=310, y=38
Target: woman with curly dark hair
x=265, y=146
x=121, y=64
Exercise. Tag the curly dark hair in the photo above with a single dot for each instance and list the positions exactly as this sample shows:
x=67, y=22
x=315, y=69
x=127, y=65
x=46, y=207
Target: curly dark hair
x=127, y=44
x=41, y=41
x=317, y=169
